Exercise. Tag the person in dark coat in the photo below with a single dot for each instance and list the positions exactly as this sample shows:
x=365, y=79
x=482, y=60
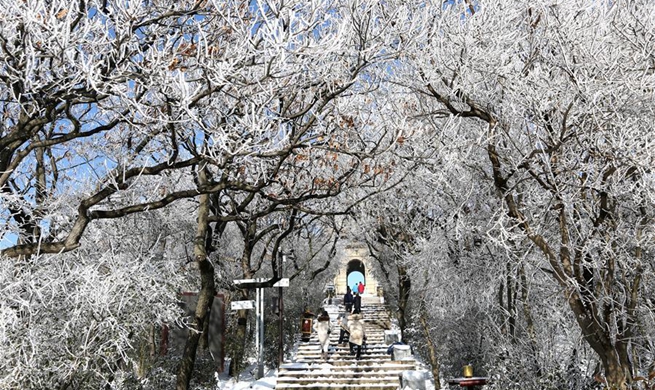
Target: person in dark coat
x=357, y=304
x=348, y=300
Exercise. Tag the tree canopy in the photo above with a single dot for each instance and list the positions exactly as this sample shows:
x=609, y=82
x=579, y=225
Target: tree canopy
x=152, y=147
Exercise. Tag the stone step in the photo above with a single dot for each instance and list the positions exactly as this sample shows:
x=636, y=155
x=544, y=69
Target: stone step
x=374, y=331
x=335, y=335
x=342, y=371
x=370, y=319
x=345, y=352
x=338, y=347
x=363, y=362
x=343, y=357
x=378, y=380
x=396, y=365
x=371, y=304
x=313, y=342
x=329, y=386
x=343, y=361
x=377, y=332
x=315, y=346
x=343, y=374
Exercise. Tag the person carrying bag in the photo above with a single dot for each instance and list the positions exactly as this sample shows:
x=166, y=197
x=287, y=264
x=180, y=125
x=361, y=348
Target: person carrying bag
x=344, y=334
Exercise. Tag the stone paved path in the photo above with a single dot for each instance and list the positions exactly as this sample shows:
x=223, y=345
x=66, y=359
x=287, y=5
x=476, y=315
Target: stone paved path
x=376, y=371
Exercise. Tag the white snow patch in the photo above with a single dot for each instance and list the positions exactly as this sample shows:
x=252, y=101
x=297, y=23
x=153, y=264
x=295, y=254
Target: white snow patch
x=295, y=366
x=247, y=381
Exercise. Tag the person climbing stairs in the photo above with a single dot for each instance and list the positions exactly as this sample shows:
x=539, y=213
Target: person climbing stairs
x=376, y=370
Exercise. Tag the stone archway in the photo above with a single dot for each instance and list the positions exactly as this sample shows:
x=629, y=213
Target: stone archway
x=355, y=273
x=352, y=258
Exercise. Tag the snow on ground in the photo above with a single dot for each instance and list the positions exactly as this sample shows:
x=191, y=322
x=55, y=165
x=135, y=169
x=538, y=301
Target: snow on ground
x=247, y=381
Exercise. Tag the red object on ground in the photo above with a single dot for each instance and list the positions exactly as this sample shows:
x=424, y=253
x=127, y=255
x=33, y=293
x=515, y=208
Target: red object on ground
x=468, y=382
x=306, y=327
x=473, y=382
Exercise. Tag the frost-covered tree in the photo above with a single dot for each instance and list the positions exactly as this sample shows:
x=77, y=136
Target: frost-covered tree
x=100, y=96
x=559, y=99
x=89, y=318
x=111, y=109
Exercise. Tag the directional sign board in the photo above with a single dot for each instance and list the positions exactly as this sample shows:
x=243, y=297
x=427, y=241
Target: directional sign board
x=242, y=305
x=284, y=282
x=243, y=281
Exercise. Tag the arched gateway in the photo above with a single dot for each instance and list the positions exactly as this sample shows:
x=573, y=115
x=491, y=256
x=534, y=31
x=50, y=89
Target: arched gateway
x=355, y=263
x=355, y=273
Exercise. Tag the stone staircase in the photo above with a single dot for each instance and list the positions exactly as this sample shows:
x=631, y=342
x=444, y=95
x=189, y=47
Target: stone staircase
x=375, y=370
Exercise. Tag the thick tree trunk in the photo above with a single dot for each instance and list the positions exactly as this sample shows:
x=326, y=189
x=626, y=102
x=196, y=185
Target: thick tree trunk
x=585, y=301
x=404, y=287
x=529, y=321
x=185, y=371
x=238, y=347
x=615, y=370
x=238, y=357
x=432, y=349
x=206, y=294
x=205, y=300
x=595, y=330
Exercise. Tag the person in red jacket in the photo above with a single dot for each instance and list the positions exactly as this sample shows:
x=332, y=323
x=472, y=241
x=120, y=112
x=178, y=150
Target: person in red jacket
x=360, y=288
